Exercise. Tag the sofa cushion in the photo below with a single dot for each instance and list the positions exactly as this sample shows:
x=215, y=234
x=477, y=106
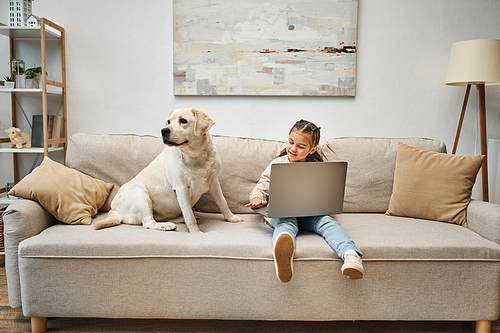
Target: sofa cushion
x=242, y=162
x=433, y=186
x=113, y=158
x=71, y=196
x=370, y=171
x=378, y=236
x=121, y=157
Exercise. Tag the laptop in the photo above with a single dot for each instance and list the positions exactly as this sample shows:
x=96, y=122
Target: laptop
x=305, y=189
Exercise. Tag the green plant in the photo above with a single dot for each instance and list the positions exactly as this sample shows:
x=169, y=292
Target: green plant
x=30, y=73
x=8, y=79
x=18, y=70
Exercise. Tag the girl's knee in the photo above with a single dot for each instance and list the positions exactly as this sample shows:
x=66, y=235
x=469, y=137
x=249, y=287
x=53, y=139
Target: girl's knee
x=286, y=221
x=325, y=222
x=284, y=224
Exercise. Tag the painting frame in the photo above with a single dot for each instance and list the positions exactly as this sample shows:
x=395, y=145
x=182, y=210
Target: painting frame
x=265, y=48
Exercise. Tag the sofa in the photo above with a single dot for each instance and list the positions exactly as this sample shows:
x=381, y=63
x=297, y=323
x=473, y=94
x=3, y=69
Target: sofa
x=416, y=269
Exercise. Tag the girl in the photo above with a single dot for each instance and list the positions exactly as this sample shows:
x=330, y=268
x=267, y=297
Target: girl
x=302, y=146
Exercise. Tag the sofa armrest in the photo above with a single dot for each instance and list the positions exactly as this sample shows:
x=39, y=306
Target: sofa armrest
x=484, y=219
x=22, y=219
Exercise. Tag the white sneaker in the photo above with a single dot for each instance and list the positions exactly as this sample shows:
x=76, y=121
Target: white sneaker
x=283, y=251
x=353, y=267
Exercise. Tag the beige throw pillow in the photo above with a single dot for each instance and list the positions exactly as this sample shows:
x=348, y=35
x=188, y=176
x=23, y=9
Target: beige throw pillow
x=71, y=196
x=434, y=186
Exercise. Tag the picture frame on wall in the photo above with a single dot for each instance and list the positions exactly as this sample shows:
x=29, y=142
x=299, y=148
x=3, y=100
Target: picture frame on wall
x=265, y=48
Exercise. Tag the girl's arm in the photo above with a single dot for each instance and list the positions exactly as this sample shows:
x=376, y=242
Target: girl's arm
x=259, y=194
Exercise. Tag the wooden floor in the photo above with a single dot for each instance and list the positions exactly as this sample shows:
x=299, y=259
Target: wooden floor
x=13, y=321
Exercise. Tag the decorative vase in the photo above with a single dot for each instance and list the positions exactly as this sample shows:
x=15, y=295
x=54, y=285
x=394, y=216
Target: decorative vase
x=17, y=71
x=31, y=83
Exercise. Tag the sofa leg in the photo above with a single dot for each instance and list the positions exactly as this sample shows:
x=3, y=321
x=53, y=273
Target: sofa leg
x=38, y=324
x=483, y=326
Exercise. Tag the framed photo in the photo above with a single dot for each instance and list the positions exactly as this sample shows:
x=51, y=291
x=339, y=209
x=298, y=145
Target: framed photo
x=265, y=48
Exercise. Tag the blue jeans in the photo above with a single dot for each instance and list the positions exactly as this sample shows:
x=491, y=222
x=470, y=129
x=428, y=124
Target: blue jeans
x=324, y=225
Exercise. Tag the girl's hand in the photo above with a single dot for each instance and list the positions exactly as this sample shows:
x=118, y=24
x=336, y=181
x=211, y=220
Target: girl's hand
x=256, y=202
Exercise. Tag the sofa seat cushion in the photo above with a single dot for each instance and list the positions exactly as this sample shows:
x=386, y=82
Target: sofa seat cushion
x=387, y=237
x=379, y=237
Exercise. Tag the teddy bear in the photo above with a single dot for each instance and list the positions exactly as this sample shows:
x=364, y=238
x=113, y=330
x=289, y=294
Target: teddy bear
x=18, y=139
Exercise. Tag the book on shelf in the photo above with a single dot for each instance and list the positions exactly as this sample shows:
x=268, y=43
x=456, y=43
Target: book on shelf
x=53, y=129
x=50, y=126
x=56, y=130
x=37, y=131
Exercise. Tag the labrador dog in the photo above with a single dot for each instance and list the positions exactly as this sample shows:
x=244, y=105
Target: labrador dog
x=175, y=180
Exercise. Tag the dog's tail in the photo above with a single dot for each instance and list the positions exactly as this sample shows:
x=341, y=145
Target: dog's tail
x=111, y=220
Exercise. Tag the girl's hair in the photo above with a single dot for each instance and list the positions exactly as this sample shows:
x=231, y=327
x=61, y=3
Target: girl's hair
x=306, y=127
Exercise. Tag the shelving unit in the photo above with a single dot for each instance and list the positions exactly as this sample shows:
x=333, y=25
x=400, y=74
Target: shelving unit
x=47, y=31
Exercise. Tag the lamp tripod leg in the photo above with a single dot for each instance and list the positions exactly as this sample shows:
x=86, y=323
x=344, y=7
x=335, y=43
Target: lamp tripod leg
x=484, y=147
x=460, y=122
x=482, y=123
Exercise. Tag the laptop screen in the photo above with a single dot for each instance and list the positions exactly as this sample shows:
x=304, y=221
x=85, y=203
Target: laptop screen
x=306, y=189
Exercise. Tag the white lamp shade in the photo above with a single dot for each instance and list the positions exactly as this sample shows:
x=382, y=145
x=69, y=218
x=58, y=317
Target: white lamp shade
x=474, y=62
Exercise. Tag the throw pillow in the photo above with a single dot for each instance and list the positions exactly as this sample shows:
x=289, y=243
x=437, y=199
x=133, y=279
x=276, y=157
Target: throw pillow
x=71, y=196
x=434, y=186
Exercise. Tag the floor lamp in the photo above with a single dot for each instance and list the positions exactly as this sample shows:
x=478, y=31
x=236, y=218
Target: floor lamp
x=475, y=62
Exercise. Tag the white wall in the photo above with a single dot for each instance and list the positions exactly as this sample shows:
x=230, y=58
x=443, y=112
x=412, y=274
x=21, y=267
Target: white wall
x=119, y=62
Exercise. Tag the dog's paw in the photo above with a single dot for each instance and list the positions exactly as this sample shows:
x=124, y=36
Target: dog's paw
x=235, y=219
x=166, y=226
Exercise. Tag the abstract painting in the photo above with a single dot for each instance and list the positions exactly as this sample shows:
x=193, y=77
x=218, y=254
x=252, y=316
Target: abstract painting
x=265, y=48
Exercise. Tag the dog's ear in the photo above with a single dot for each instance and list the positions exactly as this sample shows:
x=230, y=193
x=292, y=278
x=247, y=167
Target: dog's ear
x=202, y=123
x=18, y=130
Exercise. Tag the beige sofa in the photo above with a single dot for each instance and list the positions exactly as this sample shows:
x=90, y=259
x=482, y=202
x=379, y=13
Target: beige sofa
x=416, y=269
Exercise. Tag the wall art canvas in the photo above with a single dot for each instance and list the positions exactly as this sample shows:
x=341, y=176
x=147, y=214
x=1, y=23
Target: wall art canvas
x=265, y=48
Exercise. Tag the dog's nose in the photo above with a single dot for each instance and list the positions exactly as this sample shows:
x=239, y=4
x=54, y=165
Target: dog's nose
x=165, y=132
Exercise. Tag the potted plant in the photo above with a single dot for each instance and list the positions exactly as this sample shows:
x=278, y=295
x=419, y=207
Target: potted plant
x=32, y=77
x=30, y=81
x=9, y=83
